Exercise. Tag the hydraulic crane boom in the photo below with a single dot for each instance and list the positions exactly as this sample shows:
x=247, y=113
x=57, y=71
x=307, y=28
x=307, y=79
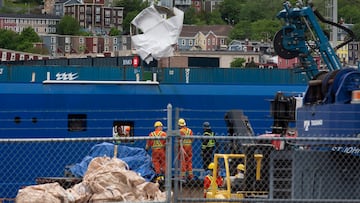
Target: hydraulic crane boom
x=292, y=40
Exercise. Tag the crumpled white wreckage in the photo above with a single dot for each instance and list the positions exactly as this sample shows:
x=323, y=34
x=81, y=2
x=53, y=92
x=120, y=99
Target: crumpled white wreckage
x=159, y=35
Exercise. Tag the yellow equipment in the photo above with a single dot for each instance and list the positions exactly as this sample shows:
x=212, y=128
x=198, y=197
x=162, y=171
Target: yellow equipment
x=227, y=192
x=158, y=124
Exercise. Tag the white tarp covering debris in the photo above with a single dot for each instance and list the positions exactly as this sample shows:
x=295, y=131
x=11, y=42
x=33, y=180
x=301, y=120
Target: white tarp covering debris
x=106, y=180
x=159, y=35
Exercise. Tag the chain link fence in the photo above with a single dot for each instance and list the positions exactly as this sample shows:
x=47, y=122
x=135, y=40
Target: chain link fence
x=275, y=169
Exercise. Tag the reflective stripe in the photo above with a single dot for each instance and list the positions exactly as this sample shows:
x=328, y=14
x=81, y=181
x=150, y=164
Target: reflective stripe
x=211, y=181
x=157, y=143
x=211, y=142
x=186, y=142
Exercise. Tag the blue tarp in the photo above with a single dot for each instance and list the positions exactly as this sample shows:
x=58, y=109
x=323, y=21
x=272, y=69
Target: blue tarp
x=137, y=159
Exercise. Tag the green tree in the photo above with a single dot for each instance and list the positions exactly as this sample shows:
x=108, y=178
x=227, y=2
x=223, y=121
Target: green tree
x=8, y=39
x=26, y=40
x=241, y=31
x=23, y=41
x=132, y=5
x=350, y=13
x=29, y=34
x=238, y=63
x=127, y=21
x=114, y=32
x=264, y=29
x=131, y=9
x=356, y=30
x=190, y=16
x=230, y=9
x=215, y=18
x=24, y=46
x=68, y=26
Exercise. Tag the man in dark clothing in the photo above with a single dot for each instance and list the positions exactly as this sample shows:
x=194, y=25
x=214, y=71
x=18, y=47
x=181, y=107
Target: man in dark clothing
x=208, y=145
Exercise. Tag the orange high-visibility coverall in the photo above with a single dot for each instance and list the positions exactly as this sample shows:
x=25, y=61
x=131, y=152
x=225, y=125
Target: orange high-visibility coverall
x=186, y=153
x=207, y=182
x=158, y=151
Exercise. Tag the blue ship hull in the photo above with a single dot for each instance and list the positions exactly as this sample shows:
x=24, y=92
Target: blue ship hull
x=44, y=110
x=35, y=110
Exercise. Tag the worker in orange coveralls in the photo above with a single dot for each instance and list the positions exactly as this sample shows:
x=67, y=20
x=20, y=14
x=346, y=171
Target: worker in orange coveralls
x=158, y=148
x=185, y=150
x=209, y=178
x=127, y=131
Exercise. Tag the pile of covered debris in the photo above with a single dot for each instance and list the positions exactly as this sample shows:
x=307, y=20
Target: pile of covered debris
x=125, y=177
x=107, y=179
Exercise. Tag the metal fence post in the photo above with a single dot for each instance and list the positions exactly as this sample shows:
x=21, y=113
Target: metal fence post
x=168, y=175
x=177, y=182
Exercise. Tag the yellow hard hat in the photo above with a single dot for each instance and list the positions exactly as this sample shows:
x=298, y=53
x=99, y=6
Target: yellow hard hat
x=158, y=124
x=181, y=122
x=240, y=167
x=211, y=166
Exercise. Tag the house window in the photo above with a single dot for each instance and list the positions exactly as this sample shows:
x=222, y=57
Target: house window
x=209, y=41
x=97, y=10
x=81, y=40
x=183, y=42
x=97, y=18
x=213, y=41
x=107, y=13
x=76, y=122
x=191, y=43
x=107, y=21
x=115, y=40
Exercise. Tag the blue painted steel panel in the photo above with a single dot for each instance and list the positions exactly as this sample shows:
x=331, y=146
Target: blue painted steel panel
x=101, y=101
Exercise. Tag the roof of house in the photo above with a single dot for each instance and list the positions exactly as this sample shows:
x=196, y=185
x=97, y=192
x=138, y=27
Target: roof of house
x=192, y=30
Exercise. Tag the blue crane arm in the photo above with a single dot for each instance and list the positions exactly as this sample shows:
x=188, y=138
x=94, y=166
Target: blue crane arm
x=292, y=41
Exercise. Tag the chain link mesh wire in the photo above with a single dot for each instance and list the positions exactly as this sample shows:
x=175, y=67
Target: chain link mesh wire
x=308, y=169
x=316, y=168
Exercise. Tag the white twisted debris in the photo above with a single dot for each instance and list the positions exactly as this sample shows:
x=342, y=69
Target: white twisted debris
x=159, y=35
x=106, y=180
